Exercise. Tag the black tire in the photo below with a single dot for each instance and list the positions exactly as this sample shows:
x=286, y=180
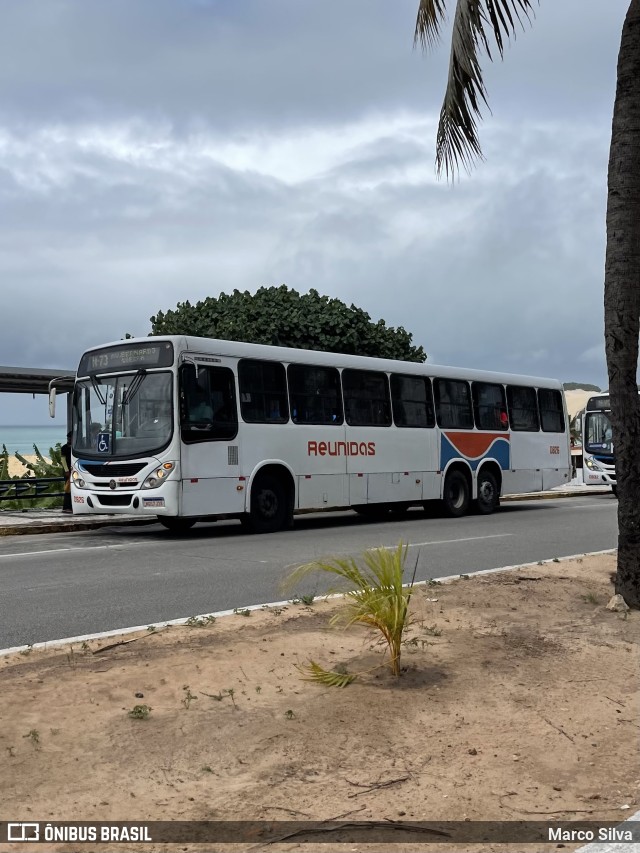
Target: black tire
x=488, y=493
x=271, y=508
x=456, y=495
x=176, y=525
x=614, y=491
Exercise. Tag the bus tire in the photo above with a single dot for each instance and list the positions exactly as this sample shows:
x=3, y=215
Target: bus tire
x=456, y=496
x=614, y=491
x=176, y=525
x=488, y=493
x=270, y=510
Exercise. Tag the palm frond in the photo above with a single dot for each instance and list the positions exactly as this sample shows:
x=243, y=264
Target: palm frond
x=457, y=140
x=431, y=15
x=330, y=678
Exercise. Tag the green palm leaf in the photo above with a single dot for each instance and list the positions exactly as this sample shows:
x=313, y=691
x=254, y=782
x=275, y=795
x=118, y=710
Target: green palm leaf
x=457, y=140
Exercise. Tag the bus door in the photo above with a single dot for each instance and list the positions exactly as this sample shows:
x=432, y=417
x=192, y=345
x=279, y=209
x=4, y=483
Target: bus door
x=210, y=453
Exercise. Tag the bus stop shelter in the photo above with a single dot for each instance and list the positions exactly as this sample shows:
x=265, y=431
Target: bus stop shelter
x=37, y=380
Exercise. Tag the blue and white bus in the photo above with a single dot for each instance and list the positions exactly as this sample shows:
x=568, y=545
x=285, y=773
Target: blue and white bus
x=598, y=458
x=188, y=429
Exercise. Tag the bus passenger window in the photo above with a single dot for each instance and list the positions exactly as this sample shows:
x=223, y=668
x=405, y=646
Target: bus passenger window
x=489, y=406
x=412, y=401
x=453, y=403
x=523, y=408
x=551, y=410
x=366, y=398
x=263, y=392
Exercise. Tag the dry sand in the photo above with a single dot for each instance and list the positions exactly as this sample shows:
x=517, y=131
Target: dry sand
x=17, y=469
x=518, y=701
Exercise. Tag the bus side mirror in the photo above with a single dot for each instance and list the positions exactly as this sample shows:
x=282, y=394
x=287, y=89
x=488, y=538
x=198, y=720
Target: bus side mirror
x=188, y=382
x=52, y=402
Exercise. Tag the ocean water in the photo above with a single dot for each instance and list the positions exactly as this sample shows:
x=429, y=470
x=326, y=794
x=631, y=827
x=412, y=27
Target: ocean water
x=20, y=439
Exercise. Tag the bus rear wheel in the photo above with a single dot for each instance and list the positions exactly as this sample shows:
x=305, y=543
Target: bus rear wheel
x=456, y=494
x=614, y=491
x=269, y=505
x=176, y=525
x=488, y=494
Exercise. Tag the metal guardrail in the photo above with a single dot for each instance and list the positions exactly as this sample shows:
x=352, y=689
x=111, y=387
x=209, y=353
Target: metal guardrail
x=28, y=488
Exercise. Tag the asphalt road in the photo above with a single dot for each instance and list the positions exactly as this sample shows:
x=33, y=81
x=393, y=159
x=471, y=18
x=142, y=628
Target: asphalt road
x=69, y=584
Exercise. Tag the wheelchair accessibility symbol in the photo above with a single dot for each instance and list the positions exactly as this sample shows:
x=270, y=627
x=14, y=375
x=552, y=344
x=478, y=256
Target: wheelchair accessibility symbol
x=104, y=441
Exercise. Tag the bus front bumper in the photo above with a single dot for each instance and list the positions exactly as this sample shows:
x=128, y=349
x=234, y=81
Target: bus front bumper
x=139, y=503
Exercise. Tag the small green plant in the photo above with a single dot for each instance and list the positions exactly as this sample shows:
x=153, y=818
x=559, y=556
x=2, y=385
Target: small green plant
x=85, y=646
x=10, y=751
x=188, y=697
x=200, y=621
x=337, y=677
x=27, y=651
x=464, y=577
x=231, y=694
x=556, y=560
x=433, y=630
x=151, y=629
x=258, y=689
x=140, y=712
x=206, y=768
x=34, y=736
x=433, y=582
x=289, y=714
x=242, y=612
x=590, y=598
x=374, y=596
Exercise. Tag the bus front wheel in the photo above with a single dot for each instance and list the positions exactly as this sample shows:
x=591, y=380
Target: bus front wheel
x=488, y=494
x=176, y=525
x=456, y=494
x=269, y=505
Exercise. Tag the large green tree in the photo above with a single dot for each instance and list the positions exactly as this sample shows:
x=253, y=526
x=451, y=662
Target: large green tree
x=477, y=25
x=285, y=318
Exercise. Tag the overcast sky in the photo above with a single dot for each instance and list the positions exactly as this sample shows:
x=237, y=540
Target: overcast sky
x=165, y=150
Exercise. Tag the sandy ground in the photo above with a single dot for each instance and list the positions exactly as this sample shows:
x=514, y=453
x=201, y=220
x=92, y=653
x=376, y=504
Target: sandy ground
x=518, y=700
x=17, y=469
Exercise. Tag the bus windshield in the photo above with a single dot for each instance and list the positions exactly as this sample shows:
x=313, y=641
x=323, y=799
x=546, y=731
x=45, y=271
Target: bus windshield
x=122, y=416
x=597, y=433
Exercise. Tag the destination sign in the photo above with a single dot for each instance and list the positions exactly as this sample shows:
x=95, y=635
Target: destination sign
x=126, y=357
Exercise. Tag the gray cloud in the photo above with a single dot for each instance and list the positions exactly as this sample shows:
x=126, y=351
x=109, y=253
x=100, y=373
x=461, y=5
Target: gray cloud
x=152, y=153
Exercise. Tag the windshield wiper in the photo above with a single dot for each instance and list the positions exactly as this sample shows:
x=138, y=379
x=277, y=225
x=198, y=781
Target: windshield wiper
x=132, y=390
x=97, y=391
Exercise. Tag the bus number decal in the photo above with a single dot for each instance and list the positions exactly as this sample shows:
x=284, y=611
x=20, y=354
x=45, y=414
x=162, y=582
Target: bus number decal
x=554, y=449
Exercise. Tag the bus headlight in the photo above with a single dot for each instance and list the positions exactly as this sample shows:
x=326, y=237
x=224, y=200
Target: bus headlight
x=78, y=482
x=157, y=477
x=592, y=465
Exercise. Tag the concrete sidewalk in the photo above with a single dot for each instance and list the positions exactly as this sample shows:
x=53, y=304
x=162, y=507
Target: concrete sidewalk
x=21, y=522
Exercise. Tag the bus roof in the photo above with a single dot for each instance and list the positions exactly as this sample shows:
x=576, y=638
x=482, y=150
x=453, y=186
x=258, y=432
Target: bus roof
x=242, y=349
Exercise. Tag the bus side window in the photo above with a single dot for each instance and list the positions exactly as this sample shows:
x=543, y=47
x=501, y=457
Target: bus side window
x=523, y=408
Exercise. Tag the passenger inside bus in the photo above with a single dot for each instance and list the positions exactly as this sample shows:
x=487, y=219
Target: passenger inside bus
x=200, y=409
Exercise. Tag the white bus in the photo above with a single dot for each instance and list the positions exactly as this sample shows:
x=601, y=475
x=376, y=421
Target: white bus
x=189, y=429
x=598, y=460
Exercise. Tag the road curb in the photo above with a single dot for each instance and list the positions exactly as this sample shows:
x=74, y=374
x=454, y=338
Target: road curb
x=68, y=526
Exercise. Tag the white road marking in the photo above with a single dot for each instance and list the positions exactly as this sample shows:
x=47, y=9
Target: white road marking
x=67, y=550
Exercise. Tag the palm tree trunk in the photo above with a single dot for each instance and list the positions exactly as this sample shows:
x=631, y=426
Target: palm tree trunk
x=622, y=302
